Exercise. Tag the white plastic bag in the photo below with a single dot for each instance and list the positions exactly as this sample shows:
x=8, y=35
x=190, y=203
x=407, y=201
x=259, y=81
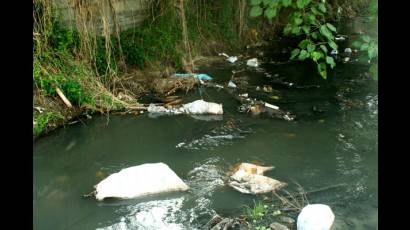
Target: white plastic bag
x=203, y=107
x=141, y=180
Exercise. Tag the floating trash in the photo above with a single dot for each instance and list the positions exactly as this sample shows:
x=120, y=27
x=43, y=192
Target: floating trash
x=253, y=62
x=231, y=84
x=140, y=180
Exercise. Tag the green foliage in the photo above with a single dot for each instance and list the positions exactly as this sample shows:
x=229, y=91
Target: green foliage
x=306, y=20
x=63, y=74
x=62, y=39
x=257, y=212
x=42, y=119
x=367, y=43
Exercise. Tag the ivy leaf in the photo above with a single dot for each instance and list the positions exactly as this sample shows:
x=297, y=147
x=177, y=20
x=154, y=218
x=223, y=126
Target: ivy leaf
x=304, y=43
x=315, y=11
x=312, y=19
x=300, y=4
x=323, y=47
x=326, y=32
x=321, y=67
x=356, y=44
x=303, y=55
x=366, y=38
x=330, y=61
x=314, y=35
x=310, y=47
x=270, y=13
x=298, y=21
x=372, y=52
x=256, y=11
x=266, y=2
x=273, y=3
x=294, y=53
x=255, y=2
x=331, y=27
x=287, y=29
x=333, y=45
x=374, y=71
x=306, y=29
x=322, y=7
x=364, y=46
x=316, y=55
x=286, y=3
x=295, y=30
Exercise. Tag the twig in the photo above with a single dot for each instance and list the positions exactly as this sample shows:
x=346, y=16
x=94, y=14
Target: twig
x=63, y=97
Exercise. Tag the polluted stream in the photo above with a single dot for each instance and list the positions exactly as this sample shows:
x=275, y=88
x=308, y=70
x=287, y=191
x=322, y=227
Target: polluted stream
x=333, y=139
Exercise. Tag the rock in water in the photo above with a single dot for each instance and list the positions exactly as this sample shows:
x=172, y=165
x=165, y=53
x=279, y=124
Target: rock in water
x=277, y=226
x=141, y=180
x=287, y=219
x=315, y=217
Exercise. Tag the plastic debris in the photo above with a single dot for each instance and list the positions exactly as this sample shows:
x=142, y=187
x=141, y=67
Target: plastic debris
x=203, y=107
x=249, y=179
x=196, y=107
x=315, y=217
x=200, y=76
x=267, y=88
x=348, y=50
x=271, y=106
x=231, y=59
x=340, y=38
x=346, y=59
x=141, y=180
x=243, y=95
x=334, y=52
x=231, y=84
x=253, y=62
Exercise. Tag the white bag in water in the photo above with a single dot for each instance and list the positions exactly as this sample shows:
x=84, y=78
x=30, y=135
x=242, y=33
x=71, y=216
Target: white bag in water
x=141, y=180
x=203, y=107
x=253, y=62
x=315, y=217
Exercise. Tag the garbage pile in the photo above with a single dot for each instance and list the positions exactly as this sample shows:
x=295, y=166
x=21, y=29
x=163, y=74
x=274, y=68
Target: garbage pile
x=198, y=107
x=256, y=107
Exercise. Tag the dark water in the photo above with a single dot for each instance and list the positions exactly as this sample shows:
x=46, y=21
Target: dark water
x=336, y=143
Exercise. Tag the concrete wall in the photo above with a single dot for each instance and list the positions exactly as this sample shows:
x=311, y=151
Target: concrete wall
x=129, y=13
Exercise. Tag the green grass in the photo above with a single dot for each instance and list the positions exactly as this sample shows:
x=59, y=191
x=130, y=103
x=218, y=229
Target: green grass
x=43, y=119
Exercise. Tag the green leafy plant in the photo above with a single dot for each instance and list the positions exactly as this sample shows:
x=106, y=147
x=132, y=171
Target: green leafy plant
x=367, y=43
x=257, y=212
x=42, y=119
x=306, y=20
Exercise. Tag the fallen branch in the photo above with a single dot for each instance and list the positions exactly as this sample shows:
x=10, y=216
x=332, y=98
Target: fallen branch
x=317, y=190
x=63, y=97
